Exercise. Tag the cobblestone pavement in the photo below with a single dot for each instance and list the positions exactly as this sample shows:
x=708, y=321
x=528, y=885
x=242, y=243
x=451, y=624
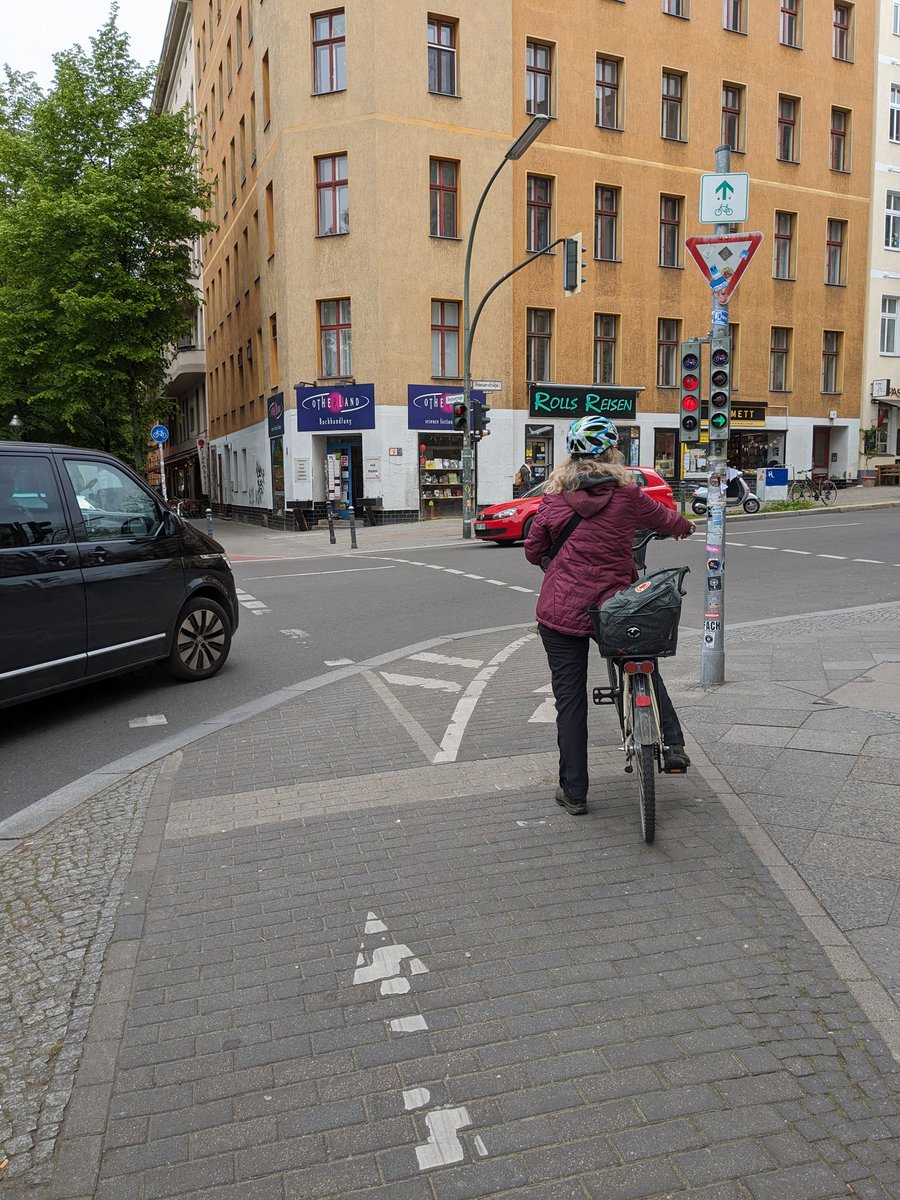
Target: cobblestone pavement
x=358, y=955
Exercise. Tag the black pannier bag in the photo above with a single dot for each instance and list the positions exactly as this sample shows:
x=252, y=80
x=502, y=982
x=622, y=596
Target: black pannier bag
x=642, y=620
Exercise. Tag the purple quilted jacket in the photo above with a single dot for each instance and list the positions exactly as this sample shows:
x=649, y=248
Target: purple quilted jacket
x=595, y=561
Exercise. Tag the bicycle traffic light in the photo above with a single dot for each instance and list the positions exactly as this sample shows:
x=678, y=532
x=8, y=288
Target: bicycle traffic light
x=719, y=388
x=460, y=415
x=689, y=380
x=573, y=265
x=481, y=418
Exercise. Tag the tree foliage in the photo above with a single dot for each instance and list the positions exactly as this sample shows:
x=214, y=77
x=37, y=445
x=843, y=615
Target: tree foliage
x=99, y=199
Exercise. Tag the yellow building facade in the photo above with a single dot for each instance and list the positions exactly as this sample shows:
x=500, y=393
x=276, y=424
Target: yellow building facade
x=351, y=145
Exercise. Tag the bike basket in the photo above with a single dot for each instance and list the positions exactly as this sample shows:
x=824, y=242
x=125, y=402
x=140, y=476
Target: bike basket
x=642, y=620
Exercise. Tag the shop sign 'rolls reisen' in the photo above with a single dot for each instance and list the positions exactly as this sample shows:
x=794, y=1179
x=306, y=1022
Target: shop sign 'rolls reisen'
x=330, y=409
x=569, y=403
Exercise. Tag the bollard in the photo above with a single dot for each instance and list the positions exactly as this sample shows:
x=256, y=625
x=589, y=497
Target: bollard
x=330, y=510
x=353, y=545
x=209, y=527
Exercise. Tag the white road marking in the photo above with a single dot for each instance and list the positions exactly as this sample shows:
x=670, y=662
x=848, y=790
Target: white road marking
x=545, y=713
x=298, y=635
x=785, y=550
x=386, y=963
x=875, y=561
x=499, y=582
x=374, y=924
x=336, y=571
x=436, y=685
x=514, y=587
x=394, y=987
x=807, y=528
x=251, y=603
x=480, y=1147
x=763, y=547
x=419, y=735
x=337, y=662
x=408, y=1024
x=465, y=706
x=416, y=1097
x=143, y=722
x=737, y=543
x=446, y=660
x=544, y=690
x=467, y=576
x=453, y=571
x=443, y=1146
x=841, y=557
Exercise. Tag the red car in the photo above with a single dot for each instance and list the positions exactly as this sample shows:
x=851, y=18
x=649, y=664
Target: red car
x=509, y=522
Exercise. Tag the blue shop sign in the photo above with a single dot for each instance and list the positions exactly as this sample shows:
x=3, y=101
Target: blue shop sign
x=276, y=416
x=429, y=407
x=335, y=409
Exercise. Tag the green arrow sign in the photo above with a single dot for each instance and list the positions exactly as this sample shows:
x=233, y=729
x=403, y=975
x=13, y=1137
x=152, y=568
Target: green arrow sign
x=724, y=190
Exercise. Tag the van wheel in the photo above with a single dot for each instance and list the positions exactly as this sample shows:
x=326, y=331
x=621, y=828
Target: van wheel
x=202, y=640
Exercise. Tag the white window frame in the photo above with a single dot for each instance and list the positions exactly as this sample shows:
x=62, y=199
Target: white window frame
x=892, y=220
x=894, y=115
x=889, y=335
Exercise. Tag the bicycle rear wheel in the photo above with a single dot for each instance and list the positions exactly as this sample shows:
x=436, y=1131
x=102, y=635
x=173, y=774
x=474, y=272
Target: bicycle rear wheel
x=646, y=775
x=828, y=492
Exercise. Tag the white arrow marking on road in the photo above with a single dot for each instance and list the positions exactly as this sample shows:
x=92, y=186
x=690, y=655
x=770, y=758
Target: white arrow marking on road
x=443, y=1146
x=416, y=1097
x=446, y=660
x=374, y=924
x=545, y=714
x=298, y=635
x=408, y=1024
x=143, y=722
x=394, y=987
x=438, y=685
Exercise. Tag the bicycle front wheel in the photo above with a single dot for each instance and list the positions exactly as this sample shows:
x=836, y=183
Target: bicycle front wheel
x=646, y=775
x=799, y=491
x=829, y=492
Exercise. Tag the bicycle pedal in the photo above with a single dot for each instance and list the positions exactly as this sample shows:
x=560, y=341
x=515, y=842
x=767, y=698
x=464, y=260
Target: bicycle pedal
x=674, y=770
x=601, y=695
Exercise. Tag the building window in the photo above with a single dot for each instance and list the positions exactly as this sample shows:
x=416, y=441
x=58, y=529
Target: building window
x=790, y=22
x=329, y=52
x=539, y=213
x=670, y=231
x=267, y=91
x=606, y=223
x=890, y=330
x=894, y=126
x=335, y=339
x=443, y=197
x=239, y=40
x=843, y=32
x=445, y=338
x=606, y=328
x=779, y=359
x=675, y=8
x=332, y=207
x=608, y=93
x=270, y=218
x=229, y=67
x=784, y=245
x=831, y=360
x=252, y=128
x=667, y=345
x=673, y=87
x=273, y=348
x=840, y=145
x=897, y=18
x=732, y=116
x=788, y=113
x=733, y=15
x=892, y=221
x=441, y=56
x=538, y=344
x=836, y=232
x=538, y=78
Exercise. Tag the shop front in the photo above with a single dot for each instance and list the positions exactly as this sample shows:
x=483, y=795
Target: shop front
x=751, y=445
x=439, y=448
x=559, y=402
x=339, y=415
x=275, y=423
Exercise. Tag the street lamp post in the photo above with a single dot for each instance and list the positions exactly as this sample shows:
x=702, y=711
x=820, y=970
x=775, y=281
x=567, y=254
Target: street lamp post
x=532, y=131
x=16, y=424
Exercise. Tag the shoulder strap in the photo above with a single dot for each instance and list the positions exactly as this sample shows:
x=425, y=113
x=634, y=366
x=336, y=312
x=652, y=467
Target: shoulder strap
x=556, y=546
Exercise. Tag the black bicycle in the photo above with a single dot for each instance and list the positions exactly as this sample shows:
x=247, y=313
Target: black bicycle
x=632, y=691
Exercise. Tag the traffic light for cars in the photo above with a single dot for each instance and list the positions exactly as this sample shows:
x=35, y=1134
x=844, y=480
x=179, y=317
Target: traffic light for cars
x=481, y=418
x=719, y=388
x=573, y=265
x=689, y=381
x=460, y=416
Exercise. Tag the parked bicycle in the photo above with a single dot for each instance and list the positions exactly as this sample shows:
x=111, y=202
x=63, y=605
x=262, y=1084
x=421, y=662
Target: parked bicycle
x=808, y=488
x=650, y=632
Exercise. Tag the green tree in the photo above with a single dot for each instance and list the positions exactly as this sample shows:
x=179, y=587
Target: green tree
x=99, y=199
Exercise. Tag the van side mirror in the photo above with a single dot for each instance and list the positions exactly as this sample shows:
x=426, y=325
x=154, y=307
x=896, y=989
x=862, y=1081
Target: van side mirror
x=170, y=525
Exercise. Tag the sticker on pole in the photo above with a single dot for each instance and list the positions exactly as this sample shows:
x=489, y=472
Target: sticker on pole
x=723, y=259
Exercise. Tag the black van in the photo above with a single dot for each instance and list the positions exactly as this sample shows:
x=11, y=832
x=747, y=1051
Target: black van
x=98, y=577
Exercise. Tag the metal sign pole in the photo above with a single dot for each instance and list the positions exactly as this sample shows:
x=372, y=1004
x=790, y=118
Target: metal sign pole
x=162, y=473
x=712, y=654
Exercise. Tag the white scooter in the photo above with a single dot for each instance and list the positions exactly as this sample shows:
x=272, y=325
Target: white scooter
x=747, y=500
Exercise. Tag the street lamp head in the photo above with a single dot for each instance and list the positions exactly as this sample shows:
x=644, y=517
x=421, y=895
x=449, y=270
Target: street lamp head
x=534, y=130
x=16, y=424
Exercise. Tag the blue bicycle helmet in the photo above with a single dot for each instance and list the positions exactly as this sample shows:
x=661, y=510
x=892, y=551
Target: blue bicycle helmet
x=591, y=436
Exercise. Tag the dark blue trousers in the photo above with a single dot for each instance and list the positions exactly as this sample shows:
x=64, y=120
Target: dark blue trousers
x=567, y=655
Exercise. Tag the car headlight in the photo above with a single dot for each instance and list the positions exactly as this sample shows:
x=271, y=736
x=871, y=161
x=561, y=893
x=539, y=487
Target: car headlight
x=503, y=513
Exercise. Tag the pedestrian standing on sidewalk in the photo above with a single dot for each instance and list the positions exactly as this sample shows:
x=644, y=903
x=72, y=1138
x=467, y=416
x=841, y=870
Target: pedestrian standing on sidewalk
x=522, y=480
x=593, y=563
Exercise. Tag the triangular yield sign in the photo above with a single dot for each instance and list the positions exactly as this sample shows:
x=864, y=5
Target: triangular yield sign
x=723, y=258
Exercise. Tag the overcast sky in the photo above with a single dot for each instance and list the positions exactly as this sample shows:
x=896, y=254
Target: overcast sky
x=34, y=30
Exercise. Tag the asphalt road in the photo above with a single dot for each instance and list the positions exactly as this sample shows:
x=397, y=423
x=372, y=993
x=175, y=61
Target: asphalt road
x=304, y=614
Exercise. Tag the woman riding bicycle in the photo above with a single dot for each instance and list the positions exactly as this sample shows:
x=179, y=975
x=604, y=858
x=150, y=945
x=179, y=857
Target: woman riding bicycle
x=593, y=563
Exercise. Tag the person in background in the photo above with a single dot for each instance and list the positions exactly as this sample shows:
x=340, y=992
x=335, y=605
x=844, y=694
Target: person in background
x=522, y=480
x=594, y=562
